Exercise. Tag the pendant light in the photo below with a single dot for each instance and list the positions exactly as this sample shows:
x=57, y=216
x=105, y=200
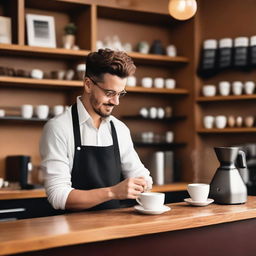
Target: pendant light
x=182, y=9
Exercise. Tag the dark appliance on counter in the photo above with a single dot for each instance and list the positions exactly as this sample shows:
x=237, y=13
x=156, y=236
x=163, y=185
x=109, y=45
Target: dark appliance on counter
x=17, y=168
x=250, y=151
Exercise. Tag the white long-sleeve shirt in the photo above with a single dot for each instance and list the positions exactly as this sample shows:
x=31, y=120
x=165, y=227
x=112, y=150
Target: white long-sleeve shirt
x=57, y=151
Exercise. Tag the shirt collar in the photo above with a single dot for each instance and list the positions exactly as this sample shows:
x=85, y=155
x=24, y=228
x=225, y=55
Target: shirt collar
x=83, y=114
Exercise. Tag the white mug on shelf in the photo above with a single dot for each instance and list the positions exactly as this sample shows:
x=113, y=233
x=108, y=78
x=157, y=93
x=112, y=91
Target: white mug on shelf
x=249, y=87
x=237, y=88
x=42, y=111
x=224, y=88
x=58, y=110
x=2, y=112
x=153, y=112
x=131, y=81
x=159, y=82
x=170, y=83
x=169, y=136
x=37, y=74
x=209, y=90
x=171, y=50
x=27, y=111
x=208, y=121
x=220, y=121
x=147, y=82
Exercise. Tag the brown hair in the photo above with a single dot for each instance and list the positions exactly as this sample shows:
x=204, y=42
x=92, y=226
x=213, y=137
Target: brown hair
x=107, y=61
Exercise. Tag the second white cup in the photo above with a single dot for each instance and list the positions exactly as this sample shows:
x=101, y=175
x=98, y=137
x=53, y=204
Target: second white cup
x=198, y=191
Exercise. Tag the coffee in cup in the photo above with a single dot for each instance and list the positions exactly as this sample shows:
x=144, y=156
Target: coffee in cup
x=151, y=200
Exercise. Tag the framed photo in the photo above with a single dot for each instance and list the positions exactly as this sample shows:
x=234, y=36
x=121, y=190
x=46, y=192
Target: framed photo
x=41, y=30
x=5, y=30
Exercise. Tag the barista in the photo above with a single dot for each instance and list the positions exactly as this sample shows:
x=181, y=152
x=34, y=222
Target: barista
x=87, y=153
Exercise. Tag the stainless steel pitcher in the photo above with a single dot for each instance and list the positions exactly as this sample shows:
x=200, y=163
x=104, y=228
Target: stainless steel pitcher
x=227, y=185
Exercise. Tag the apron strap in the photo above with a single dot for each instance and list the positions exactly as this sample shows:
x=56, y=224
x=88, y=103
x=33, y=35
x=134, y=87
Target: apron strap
x=76, y=128
x=116, y=146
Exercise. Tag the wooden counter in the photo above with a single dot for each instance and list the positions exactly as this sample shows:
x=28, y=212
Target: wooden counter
x=87, y=227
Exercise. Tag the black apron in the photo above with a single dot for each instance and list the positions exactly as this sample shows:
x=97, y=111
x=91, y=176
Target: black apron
x=95, y=167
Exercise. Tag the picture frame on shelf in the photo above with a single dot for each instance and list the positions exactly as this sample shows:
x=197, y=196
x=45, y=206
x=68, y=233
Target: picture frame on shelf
x=6, y=30
x=41, y=30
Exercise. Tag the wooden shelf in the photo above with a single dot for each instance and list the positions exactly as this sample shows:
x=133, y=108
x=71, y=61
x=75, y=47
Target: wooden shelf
x=10, y=194
x=228, y=130
x=139, y=117
x=227, y=98
x=41, y=83
x=62, y=53
x=21, y=119
x=51, y=83
x=170, y=187
x=139, y=89
x=158, y=144
x=44, y=52
x=157, y=59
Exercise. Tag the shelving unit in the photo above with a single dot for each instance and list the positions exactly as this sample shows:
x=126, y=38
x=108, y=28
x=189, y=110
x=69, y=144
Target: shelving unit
x=94, y=22
x=241, y=105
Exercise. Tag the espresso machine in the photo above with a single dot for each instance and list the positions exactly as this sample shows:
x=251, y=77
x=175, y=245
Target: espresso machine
x=227, y=185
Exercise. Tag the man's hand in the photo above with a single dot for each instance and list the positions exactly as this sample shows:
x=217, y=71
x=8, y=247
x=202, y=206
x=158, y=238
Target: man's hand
x=130, y=188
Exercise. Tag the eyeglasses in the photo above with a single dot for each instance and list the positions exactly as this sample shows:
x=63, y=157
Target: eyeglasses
x=109, y=93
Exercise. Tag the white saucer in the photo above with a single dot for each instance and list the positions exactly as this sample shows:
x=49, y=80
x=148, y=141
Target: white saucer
x=197, y=203
x=140, y=209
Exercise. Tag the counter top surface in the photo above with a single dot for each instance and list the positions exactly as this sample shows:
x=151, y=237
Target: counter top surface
x=84, y=227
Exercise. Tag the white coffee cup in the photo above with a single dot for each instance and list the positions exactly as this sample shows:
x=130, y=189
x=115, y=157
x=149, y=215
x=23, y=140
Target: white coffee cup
x=58, y=110
x=1, y=182
x=209, y=90
x=249, y=87
x=131, y=81
x=198, y=191
x=208, y=122
x=220, y=121
x=42, y=111
x=224, y=88
x=159, y=82
x=170, y=83
x=169, y=136
x=153, y=112
x=37, y=73
x=147, y=82
x=171, y=50
x=160, y=113
x=237, y=88
x=2, y=112
x=144, y=112
x=26, y=111
x=151, y=200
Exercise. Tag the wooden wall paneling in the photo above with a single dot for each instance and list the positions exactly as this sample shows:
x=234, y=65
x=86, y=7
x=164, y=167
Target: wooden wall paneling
x=83, y=18
x=21, y=22
x=10, y=9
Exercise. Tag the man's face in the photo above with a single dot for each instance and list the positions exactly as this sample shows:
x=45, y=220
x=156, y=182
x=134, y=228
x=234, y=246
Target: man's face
x=105, y=95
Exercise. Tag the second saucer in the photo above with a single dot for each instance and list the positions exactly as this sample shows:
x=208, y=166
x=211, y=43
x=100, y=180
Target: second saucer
x=196, y=203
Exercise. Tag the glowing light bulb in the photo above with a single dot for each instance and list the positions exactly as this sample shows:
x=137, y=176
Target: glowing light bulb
x=182, y=9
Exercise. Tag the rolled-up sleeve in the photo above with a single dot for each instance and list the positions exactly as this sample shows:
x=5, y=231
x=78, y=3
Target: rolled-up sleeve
x=56, y=164
x=131, y=163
